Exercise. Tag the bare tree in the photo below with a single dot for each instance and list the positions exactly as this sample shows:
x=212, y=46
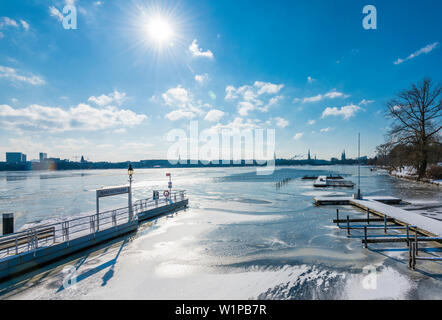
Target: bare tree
x=417, y=120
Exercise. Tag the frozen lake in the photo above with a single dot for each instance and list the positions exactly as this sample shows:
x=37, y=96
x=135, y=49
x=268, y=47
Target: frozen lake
x=240, y=238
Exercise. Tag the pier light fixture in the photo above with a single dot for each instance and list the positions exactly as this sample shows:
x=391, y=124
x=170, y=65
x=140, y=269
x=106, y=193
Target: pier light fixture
x=130, y=171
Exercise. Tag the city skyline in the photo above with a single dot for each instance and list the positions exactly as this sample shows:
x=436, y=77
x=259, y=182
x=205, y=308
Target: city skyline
x=112, y=88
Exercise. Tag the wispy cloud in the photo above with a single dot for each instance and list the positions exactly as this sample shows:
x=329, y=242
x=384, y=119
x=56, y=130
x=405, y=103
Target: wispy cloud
x=201, y=78
x=426, y=49
x=323, y=130
x=298, y=136
x=54, y=12
x=198, y=52
x=311, y=122
x=12, y=75
x=281, y=122
x=329, y=95
x=310, y=79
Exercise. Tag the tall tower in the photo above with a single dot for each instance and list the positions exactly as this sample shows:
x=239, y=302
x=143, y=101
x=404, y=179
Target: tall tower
x=343, y=156
x=308, y=157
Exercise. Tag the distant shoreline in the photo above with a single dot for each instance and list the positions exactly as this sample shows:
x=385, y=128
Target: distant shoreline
x=155, y=164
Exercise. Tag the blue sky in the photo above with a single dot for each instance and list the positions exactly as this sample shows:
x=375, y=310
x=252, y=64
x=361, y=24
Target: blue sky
x=109, y=91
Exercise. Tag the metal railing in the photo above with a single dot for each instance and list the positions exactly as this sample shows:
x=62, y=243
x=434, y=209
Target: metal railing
x=48, y=234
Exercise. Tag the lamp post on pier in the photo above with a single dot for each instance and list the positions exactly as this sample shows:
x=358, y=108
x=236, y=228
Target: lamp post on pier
x=130, y=172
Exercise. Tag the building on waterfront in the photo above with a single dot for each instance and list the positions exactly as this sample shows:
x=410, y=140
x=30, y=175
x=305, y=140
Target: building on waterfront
x=15, y=157
x=308, y=155
x=43, y=156
x=343, y=157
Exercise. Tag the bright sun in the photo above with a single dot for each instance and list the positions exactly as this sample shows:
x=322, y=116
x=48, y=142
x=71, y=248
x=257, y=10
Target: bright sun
x=159, y=30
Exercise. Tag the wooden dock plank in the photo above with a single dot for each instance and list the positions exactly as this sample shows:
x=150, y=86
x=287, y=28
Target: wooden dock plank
x=423, y=224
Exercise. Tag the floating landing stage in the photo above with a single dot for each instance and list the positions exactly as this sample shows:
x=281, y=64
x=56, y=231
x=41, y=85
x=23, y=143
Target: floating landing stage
x=45, y=243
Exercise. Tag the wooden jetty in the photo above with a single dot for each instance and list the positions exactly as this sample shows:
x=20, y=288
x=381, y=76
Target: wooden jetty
x=424, y=229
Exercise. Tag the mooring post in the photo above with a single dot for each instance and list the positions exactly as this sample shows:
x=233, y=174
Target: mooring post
x=368, y=216
x=8, y=223
x=348, y=226
x=413, y=256
x=337, y=216
x=365, y=236
x=385, y=223
x=408, y=236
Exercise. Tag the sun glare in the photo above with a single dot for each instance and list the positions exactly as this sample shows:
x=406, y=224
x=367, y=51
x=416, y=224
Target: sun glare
x=159, y=30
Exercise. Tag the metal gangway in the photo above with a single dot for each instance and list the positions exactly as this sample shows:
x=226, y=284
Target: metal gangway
x=42, y=235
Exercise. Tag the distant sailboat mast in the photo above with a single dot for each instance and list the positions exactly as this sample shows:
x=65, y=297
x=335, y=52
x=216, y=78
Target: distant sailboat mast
x=359, y=166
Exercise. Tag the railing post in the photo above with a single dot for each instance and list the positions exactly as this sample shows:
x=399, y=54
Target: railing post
x=408, y=236
x=368, y=216
x=348, y=226
x=114, y=218
x=337, y=216
x=385, y=224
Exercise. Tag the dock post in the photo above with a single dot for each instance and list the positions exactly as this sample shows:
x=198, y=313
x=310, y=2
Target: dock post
x=348, y=226
x=385, y=224
x=415, y=242
x=368, y=216
x=8, y=223
x=337, y=216
x=413, y=256
x=365, y=236
x=408, y=236
x=410, y=262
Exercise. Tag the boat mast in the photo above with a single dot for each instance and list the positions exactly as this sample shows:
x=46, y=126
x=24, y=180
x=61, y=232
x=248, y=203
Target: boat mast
x=359, y=165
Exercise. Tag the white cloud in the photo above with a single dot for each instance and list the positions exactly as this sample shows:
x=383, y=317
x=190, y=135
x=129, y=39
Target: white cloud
x=272, y=101
x=310, y=79
x=346, y=111
x=281, y=122
x=105, y=100
x=8, y=22
x=426, y=49
x=311, y=122
x=12, y=75
x=250, y=96
x=24, y=24
x=176, y=97
x=98, y=3
x=244, y=107
x=214, y=115
x=319, y=97
x=198, y=52
x=201, y=78
x=181, y=99
x=326, y=130
x=330, y=95
x=80, y=117
x=238, y=124
x=267, y=87
x=54, y=12
x=298, y=136
x=180, y=114
x=365, y=102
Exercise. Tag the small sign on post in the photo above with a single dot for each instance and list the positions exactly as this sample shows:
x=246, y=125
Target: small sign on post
x=109, y=192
